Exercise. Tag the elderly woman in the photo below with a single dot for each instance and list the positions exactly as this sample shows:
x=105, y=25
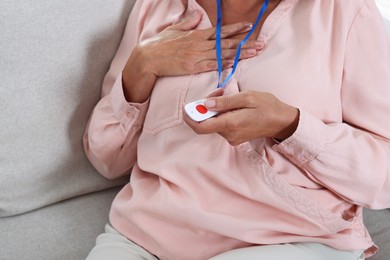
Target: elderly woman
x=299, y=145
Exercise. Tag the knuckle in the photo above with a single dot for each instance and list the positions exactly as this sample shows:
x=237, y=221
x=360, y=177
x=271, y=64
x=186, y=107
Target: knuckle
x=227, y=54
x=225, y=30
x=228, y=43
x=250, y=98
x=211, y=65
x=225, y=101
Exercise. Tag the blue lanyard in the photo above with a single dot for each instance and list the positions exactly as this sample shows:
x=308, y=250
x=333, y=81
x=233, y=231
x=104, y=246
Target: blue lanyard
x=218, y=42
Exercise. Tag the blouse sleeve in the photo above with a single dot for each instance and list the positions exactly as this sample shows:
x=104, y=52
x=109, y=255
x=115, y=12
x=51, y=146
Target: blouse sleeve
x=110, y=138
x=353, y=158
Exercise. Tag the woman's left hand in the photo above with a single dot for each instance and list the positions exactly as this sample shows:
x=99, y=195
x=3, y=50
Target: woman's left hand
x=246, y=116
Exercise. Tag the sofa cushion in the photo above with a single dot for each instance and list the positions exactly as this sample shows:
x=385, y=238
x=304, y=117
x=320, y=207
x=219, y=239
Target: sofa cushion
x=378, y=224
x=53, y=57
x=66, y=230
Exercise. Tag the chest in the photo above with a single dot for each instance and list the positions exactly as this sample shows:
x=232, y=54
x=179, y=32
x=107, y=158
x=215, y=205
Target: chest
x=300, y=65
x=237, y=14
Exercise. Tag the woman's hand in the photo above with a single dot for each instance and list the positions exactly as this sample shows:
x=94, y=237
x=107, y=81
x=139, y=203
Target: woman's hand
x=246, y=116
x=181, y=50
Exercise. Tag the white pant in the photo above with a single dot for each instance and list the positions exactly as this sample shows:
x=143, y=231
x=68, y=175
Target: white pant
x=112, y=245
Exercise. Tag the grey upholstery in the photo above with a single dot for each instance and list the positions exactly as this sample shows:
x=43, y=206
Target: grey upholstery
x=53, y=56
x=378, y=224
x=63, y=231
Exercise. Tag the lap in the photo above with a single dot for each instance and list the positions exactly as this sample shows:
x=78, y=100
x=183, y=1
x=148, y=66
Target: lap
x=113, y=245
x=301, y=251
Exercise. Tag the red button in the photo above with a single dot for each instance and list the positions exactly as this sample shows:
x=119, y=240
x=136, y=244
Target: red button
x=201, y=109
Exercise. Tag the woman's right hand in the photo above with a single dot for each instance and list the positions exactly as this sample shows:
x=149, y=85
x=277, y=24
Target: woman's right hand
x=181, y=50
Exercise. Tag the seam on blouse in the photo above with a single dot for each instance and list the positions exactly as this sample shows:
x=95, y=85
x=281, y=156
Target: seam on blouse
x=296, y=199
x=345, y=51
x=355, y=18
x=350, y=28
x=127, y=125
x=175, y=119
x=303, y=159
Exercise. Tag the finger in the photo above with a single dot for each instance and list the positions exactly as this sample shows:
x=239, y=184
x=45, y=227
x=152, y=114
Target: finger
x=231, y=102
x=188, y=23
x=231, y=54
x=226, y=30
x=225, y=44
x=230, y=30
x=209, y=126
x=225, y=122
x=234, y=43
x=210, y=65
x=216, y=93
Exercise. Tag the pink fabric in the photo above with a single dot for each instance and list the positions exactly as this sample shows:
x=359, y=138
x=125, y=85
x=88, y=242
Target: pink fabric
x=194, y=196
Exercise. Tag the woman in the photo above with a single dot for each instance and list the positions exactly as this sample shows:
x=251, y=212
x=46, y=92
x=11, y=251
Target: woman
x=300, y=144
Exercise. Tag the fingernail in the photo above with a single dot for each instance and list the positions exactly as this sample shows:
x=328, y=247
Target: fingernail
x=259, y=44
x=251, y=51
x=248, y=25
x=209, y=103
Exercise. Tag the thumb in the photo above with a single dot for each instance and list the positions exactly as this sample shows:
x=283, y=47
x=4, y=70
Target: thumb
x=189, y=22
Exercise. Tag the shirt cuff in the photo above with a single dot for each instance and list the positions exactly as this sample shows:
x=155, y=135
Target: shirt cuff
x=307, y=141
x=127, y=113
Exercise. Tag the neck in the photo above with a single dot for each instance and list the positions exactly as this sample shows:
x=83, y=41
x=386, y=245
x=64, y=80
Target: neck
x=235, y=11
x=246, y=7
x=241, y=7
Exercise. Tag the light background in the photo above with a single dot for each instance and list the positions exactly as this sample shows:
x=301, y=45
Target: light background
x=384, y=7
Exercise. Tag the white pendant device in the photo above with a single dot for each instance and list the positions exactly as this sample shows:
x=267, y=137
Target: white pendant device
x=197, y=111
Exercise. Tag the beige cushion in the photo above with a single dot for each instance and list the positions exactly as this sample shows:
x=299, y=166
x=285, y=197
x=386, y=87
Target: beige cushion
x=53, y=57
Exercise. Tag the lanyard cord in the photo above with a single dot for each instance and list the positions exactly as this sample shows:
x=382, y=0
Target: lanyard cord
x=218, y=42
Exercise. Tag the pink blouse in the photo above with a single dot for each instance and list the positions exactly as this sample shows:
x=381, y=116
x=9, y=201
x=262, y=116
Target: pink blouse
x=194, y=196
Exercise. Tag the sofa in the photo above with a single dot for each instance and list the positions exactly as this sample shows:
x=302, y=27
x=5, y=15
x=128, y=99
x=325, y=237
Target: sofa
x=53, y=57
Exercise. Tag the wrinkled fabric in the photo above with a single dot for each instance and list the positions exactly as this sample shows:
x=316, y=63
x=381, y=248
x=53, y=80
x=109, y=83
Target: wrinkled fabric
x=194, y=196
